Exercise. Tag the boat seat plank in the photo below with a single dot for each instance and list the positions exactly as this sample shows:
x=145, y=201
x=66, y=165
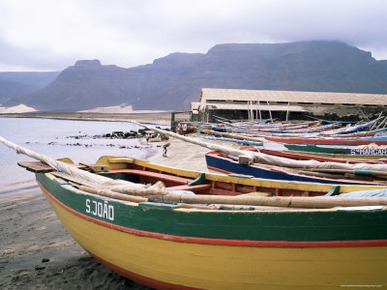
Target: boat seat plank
x=35, y=166
x=161, y=176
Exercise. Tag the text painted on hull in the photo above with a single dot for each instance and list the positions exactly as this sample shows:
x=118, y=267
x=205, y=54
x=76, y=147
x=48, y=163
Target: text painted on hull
x=377, y=152
x=100, y=209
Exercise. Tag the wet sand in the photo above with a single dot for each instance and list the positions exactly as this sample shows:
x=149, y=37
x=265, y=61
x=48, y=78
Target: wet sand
x=38, y=253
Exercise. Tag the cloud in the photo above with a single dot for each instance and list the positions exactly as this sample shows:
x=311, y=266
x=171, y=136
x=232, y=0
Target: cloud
x=46, y=35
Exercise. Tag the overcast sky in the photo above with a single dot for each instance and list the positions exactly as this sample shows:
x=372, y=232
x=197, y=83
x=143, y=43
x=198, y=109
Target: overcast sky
x=44, y=35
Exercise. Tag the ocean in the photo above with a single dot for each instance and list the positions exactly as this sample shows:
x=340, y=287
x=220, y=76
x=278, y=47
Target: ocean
x=77, y=140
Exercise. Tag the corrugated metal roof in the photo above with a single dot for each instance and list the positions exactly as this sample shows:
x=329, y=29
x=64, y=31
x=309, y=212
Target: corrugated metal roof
x=264, y=107
x=292, y=96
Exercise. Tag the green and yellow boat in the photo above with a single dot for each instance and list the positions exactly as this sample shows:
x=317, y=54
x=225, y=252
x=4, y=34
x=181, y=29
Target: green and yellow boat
x=193, y=230
x=364, y=152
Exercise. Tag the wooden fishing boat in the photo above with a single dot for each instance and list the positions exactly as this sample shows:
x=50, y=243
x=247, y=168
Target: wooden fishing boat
x=228, y=164
x=322, y=158
x=265, y=166
x=178, y=240
x=330, y=141
x=300, y=130
x=233, y=140
x=330, y=134
x=349, y=151
x=169, y=245
x=175, y=179
x=369, y=133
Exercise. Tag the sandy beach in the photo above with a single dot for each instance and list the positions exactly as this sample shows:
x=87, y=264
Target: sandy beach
x=38, y=253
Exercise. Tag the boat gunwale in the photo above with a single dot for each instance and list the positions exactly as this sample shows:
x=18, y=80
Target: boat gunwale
x=222, y=177
x=209, y=241
x=289, y=171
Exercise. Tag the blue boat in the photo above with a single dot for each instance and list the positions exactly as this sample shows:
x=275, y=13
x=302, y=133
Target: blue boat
x=230, y=165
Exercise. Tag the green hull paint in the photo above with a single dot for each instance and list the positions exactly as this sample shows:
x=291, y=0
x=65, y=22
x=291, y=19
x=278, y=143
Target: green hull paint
x=308, y=148
x=319, y=225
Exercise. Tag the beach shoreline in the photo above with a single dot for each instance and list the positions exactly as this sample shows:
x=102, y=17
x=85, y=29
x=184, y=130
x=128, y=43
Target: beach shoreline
x=157, y=118
x=36, y=250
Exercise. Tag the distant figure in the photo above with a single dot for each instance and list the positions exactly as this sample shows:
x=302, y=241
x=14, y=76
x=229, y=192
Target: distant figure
x=184, y=129
x=165, y=146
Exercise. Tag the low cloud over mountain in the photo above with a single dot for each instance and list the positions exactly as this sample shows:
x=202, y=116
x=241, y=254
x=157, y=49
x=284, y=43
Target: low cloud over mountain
x=172, y=82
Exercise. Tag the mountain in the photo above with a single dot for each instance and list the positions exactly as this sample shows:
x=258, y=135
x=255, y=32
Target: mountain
x=20, y=84
x=172, y=82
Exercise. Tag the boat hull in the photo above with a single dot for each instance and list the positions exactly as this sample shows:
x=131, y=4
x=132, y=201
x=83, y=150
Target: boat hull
x=163, y=246
x=327, y=141
x=226, y=165
x=339, y=151
x=322, y=158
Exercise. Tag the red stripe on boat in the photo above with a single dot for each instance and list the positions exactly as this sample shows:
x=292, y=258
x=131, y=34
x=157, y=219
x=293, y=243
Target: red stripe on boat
x=220, y=170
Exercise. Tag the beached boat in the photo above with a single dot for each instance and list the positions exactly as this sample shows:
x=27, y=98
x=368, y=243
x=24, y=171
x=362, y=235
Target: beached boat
x=330, y=141
x=341, y=151
x=175, y=179
x=233, y=140
x=228, y=164
x=260, y=165
x=356, y=151
x=319, y=157
x=315, y=129
x=178, y=240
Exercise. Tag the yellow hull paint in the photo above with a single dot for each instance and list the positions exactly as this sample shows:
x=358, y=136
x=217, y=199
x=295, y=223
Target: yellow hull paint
x=232, y=267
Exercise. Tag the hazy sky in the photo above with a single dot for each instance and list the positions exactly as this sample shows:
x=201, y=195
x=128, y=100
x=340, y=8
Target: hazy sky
x=53, y=34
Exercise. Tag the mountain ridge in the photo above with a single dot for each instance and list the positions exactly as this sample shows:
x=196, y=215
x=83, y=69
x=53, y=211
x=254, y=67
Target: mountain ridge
x=174, y=81
x=20, y=84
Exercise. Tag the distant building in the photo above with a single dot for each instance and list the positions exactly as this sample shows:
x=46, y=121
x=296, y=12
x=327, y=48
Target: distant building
x=263, y=104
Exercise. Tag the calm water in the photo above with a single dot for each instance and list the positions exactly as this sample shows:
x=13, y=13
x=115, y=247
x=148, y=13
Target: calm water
x=63, y=138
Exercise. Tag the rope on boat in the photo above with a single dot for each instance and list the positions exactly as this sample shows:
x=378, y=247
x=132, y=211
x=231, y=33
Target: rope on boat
x=57, y=165
x=103, y=182
x=232, y=135
x=125, y=190
x=213, y=202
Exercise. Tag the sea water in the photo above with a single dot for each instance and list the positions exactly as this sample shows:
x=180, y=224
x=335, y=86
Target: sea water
x=80, y=141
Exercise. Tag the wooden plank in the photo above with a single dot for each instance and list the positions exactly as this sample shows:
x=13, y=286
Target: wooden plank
x=35, y=166
x=94, y=167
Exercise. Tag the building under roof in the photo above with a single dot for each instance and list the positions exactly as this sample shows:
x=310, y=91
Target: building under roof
x=256, y=104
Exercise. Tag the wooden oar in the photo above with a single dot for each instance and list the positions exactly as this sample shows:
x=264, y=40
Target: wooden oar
x=232, y=135
x=250, y=199
x=279, y=201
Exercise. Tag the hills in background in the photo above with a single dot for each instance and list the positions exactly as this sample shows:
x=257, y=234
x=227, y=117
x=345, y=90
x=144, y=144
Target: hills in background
x=19, y=84
x=173, y=81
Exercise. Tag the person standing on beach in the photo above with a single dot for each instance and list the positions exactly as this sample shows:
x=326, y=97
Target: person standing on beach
x=165, y=146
